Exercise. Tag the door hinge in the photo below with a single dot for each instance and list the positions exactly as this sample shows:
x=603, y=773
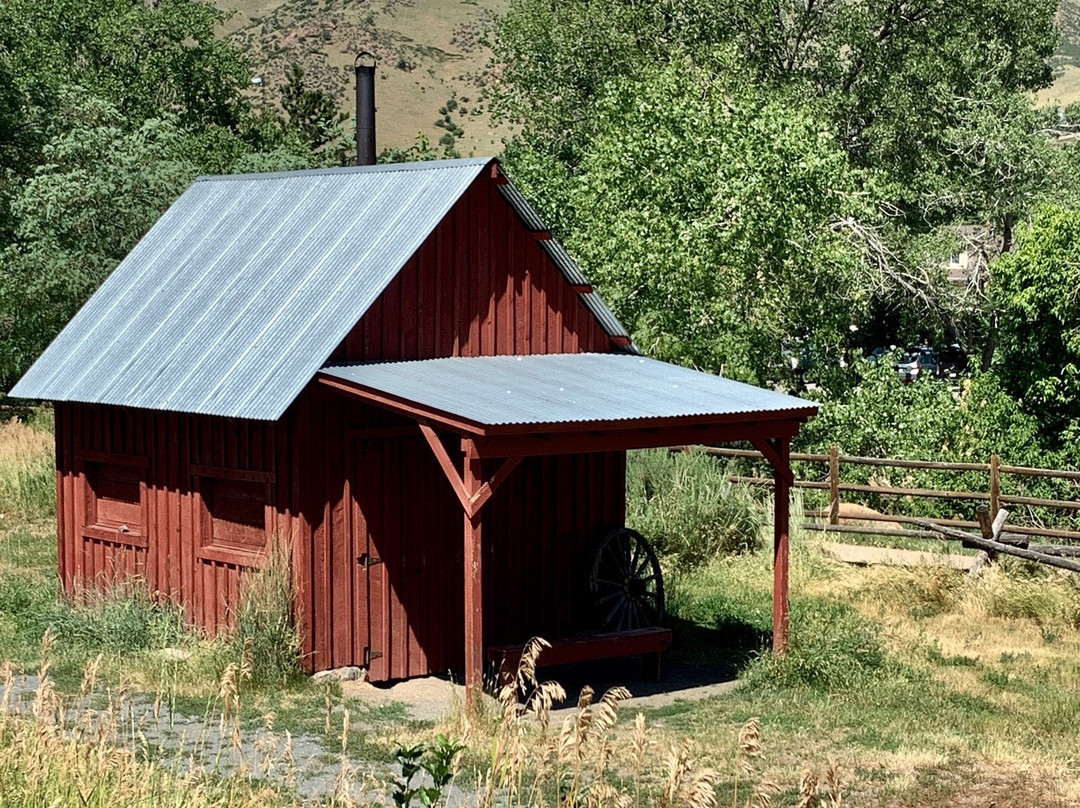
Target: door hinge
x=370, y=655
x=367, y=561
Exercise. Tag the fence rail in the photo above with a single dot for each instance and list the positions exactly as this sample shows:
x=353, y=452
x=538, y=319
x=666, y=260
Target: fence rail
x=830, y=480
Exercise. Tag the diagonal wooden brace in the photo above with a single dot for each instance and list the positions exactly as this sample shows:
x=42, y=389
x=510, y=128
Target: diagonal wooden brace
x=472, y=503
x=781, y=468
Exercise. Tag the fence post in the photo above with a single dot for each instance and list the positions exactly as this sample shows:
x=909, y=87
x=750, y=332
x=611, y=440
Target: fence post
x=995, y=486
x=834, y=485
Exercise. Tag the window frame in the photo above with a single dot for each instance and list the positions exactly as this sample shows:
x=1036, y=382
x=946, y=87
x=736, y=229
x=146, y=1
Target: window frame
x=90, y=527
x=210, y=548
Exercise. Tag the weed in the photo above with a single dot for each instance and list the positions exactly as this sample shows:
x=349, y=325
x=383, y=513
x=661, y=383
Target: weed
x=832, y=648
x=264, y=621
x=27, y=469
x=686, y=507
x=437, y=759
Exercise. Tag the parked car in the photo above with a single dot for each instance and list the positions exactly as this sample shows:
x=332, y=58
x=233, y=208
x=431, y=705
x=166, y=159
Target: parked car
x=917, y=363
x=952, y=361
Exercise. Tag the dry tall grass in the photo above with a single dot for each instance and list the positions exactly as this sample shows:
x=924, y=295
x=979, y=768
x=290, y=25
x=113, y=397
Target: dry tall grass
x=589, y=760
x=60, y=754
x=92, y=749
x=27, y=471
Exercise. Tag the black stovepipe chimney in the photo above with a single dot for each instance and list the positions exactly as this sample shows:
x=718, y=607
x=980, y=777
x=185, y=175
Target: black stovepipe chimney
x=365, y=109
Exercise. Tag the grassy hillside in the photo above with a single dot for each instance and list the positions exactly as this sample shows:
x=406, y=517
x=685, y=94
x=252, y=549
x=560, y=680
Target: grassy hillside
x=428, y=52
x=1066, y=87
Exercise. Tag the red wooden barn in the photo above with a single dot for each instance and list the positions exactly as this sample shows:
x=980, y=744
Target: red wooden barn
x=396, y=371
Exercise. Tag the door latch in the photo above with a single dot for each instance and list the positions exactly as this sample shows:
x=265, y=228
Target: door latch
x=367, y=561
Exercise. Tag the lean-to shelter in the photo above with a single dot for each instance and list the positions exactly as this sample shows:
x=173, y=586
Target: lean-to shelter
x=395, y=372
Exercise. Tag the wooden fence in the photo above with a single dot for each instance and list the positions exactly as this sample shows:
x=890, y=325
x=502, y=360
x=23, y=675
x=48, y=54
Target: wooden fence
x=828, y=480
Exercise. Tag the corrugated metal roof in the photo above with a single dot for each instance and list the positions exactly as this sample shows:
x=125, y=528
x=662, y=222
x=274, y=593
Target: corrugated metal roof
x=565, y=388
x=240, y=292
x=594, y=303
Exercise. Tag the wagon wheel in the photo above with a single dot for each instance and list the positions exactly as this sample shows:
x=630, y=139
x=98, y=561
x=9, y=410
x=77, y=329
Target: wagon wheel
x=626, y=583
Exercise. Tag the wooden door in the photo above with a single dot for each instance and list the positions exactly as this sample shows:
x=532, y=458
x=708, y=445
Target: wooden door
x=370, y=617
x=407, y=556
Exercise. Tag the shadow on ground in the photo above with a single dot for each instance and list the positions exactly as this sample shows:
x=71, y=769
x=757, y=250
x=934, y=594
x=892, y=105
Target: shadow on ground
x=702, y=662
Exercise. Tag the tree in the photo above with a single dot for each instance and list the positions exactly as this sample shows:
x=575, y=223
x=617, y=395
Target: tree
x=925, y=101
x=703, y=211
x=1035, y=290
x=312, y=113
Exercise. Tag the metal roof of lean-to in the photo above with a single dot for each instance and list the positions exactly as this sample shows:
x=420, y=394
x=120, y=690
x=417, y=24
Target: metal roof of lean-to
x=494, y=391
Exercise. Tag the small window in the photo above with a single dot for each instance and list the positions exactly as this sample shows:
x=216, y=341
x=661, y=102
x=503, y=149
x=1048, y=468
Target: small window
x=235, y=521
x=114, y=489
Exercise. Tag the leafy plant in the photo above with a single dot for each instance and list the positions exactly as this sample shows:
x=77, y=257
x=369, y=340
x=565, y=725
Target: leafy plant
x=436, y=760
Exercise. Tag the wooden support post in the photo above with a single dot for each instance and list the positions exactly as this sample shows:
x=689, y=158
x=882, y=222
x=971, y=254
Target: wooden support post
x=995, y=484
x=982, y=515
x=474, y=584
x=781, y=508
x=834, y=485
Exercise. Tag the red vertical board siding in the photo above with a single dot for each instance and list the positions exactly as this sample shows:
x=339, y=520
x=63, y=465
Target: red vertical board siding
x=458, y=278
x=302, y=493
x=497, y=293
x=340, y=544
x=168, y=444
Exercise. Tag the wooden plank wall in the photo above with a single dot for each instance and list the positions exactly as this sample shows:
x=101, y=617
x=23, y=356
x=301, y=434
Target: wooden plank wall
x=389, y=498
x=478, y=286
x=171, y=443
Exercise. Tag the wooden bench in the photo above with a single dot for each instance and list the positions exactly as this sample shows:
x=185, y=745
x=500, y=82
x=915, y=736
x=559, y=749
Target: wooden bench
x=649, y=643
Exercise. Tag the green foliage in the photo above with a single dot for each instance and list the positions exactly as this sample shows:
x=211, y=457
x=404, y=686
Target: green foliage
x=711, y=236
x=264, y=622
x=883, y=417
x=313, y=114
x=832, y=648
x=929, y=420
x=418, y=151
x=687, y=509
x=1038, y=351
x=738, y=176
x=112, y=108
x=436, y=759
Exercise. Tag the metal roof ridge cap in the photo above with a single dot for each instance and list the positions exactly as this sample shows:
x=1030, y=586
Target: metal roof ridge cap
x=330, y=171
x=614, y=354
x=344, y=363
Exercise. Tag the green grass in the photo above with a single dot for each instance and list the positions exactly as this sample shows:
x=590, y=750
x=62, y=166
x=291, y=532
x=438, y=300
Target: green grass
x=683, y=503
x=27, y=469
x=906, y=676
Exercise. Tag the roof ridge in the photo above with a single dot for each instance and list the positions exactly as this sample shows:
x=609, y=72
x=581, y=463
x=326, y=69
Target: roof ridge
x=378, y=168
x=342, y=363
